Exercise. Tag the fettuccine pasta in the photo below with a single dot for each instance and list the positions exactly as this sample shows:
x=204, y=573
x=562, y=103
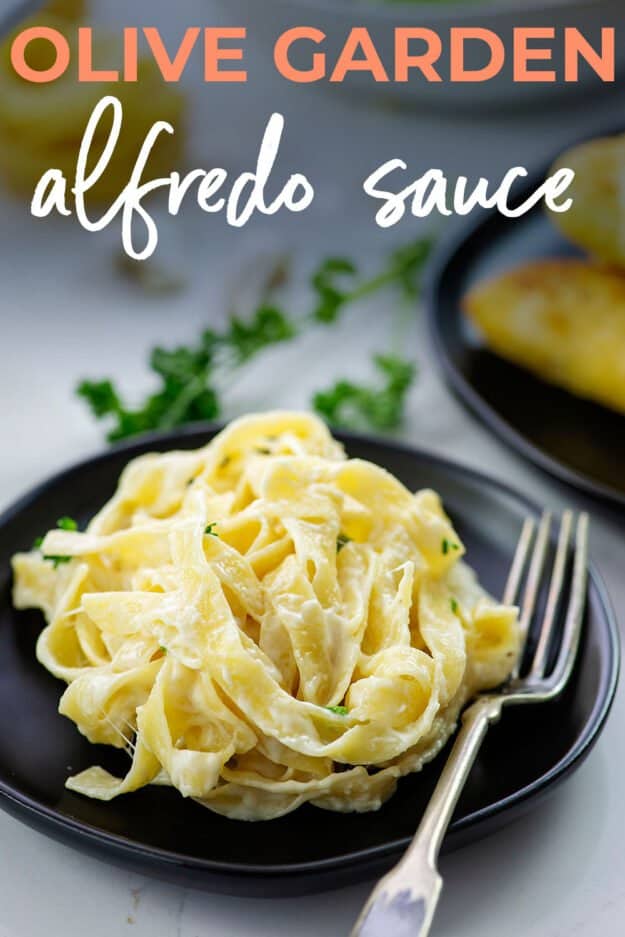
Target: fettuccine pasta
x=263, y=623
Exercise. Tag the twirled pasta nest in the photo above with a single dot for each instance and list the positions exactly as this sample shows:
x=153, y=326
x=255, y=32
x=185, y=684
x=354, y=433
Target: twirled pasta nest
x=264, y=623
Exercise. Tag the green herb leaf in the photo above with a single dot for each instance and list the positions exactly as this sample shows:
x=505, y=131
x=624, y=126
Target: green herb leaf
x=58, y=560
x=183, y=398
x=175, y=366
x=341, y=541
x=268, y=327
x=404, y=269
x=101, y=397
x=338, y=710
x=210, y=530
x=67, y=523
x=448, y=545
x=357, y=406
x=329, y=285
x=63, y=523
x=454, y=606
x=188, y=377
x=408, y=264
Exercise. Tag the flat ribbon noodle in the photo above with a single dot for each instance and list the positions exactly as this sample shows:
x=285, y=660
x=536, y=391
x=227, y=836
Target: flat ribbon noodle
x=264, y=623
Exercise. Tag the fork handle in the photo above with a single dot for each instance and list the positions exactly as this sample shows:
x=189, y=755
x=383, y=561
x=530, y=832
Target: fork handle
x=404, y=902
x=439, y=812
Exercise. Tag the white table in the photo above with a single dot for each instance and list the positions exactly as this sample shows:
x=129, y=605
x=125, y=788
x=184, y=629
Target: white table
x=558, y=872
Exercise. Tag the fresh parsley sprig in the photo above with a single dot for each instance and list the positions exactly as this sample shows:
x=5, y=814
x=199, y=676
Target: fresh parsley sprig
x=189, y=376
x=361, y=406
x=329, y=285
x=336, y=286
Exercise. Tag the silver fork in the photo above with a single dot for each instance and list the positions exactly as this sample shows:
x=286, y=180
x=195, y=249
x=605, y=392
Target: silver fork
x=404, y=901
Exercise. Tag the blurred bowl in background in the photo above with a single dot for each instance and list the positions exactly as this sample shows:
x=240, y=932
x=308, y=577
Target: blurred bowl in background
x=266, y=19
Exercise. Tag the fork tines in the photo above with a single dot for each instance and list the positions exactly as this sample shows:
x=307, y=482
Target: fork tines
x=566, y=578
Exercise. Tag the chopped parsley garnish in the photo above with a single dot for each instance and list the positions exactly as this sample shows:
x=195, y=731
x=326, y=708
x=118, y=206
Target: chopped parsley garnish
x=210, y=530
x=449, y=545
x=63, y=523
x=58, y=560
x=341, y=541
x=189, y=378
x=162, y=649
x=338, y=710
x=454, y=606
x=67, y=523
x=262, y=450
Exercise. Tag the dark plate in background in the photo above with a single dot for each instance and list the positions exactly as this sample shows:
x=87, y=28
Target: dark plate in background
x=156, y=832
x=576, y=440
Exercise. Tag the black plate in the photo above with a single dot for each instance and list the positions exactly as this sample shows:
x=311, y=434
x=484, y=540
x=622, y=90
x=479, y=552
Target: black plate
x=155, y=831
x=576, y=440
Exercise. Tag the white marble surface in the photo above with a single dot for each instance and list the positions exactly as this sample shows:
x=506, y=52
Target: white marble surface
x=558, y=872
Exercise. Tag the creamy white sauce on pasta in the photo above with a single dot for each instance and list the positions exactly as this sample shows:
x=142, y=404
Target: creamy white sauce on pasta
x=264, y=623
